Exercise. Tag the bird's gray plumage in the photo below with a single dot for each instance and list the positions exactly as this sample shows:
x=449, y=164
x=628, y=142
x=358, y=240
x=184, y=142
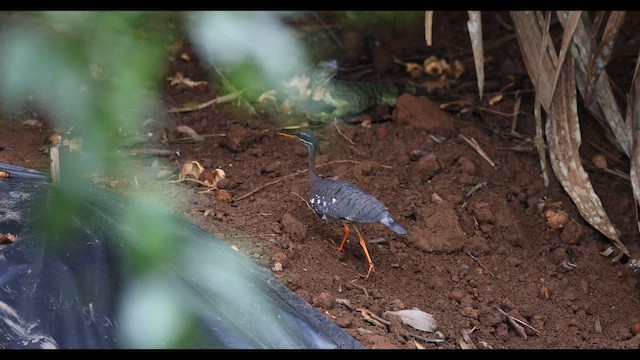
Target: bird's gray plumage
x=341, y=200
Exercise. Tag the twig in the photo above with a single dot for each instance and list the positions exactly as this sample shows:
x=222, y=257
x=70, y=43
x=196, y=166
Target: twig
x=303, y=199
x=373, y=318
x=516, y=110
x=219, y=100
x=496, y=112
x=289, y=176
x=149, y=152
x=519, y=321
x=607, y=170
x=335, y=123
x=518, y=149
x=474, y=189
x=250, y=235
x=352, y=285
x=192, y=180
x=424, y=339
x=173, y=141
x=514, y=92
x=474, y=144
x=479, y=263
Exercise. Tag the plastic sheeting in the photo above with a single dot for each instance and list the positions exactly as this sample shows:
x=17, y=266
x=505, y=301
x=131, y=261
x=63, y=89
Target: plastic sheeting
x=67, y=290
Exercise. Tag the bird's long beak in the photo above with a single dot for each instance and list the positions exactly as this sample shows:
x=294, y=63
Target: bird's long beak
x=287, y=135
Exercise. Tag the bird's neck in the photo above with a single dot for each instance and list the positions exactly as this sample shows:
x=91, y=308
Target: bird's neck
x=313, y=174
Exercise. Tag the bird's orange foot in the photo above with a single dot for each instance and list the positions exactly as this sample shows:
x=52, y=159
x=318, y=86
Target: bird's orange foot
x=371, y=269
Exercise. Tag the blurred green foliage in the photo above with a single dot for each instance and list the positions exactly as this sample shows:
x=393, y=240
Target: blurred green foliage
x=97, y=76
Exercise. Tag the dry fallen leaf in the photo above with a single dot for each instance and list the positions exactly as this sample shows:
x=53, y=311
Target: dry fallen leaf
x=415, y=70
x=434, y=66
x=455, y=70
x=179, y=78
x=32, y=123
x=466, y=343
x=192, y=169
x=163, y=174
x=417, y=319
x=211, y=177
x=495, y=99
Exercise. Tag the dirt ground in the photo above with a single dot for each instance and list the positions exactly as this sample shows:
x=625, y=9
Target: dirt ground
x=478, y=247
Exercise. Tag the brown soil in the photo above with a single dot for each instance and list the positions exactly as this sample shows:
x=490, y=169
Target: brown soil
x=468, y=256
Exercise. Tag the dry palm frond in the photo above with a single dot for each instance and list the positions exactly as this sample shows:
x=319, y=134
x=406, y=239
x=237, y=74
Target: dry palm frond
x=604, y=106
x=428, y=27
x=555, y=77
x=475, y=33
x=633, y=121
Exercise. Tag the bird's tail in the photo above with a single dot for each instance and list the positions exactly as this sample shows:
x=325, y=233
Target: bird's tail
x=393, y=225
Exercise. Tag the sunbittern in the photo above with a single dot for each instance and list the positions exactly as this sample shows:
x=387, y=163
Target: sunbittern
x=340, y=200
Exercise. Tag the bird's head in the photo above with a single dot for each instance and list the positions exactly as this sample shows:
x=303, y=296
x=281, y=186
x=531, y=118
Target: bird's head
x=306, y=137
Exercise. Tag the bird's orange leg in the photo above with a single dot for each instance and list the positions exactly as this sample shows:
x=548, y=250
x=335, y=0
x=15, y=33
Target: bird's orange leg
x=347, y=231
x=363, y=243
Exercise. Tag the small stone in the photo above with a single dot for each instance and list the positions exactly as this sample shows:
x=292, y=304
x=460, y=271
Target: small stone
x=397, y=304
x=600, y=161
x=468, y=311
x=277, y=267
x=557, y=219
x=224, y=196
x=544, y=293
x=456, y=295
